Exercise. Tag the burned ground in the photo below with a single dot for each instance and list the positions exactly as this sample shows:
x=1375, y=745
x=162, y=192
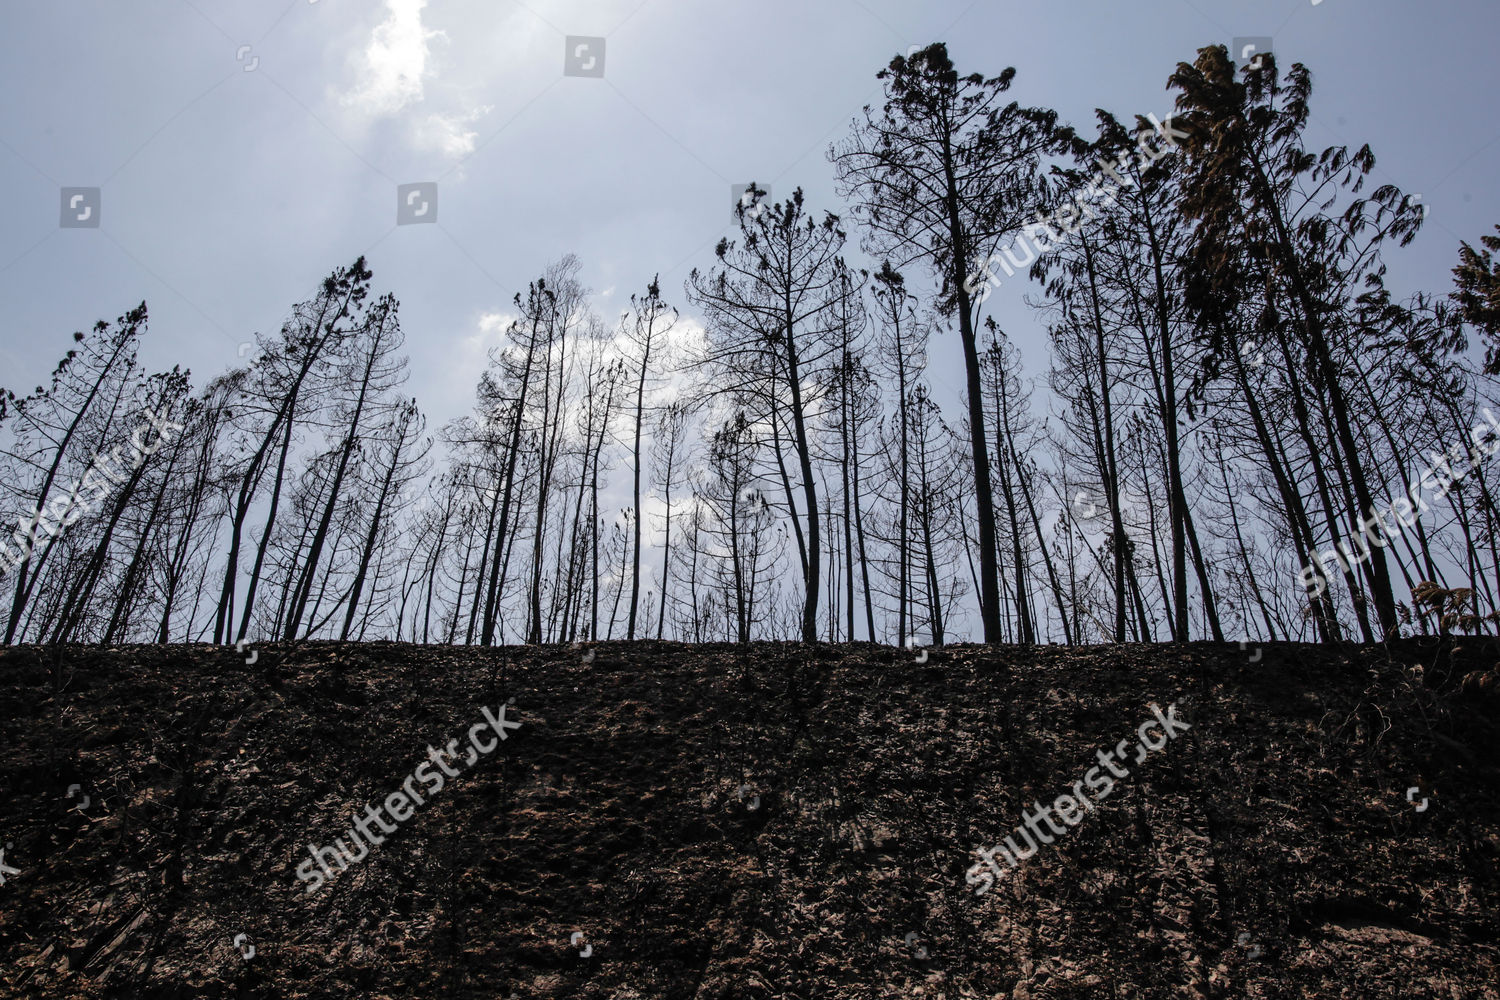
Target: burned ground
x=781, y=820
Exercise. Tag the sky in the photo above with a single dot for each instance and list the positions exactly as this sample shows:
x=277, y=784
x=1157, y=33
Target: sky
x=243, y=149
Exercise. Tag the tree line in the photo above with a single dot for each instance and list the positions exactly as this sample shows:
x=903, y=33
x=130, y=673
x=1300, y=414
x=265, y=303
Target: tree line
x=1233, y=392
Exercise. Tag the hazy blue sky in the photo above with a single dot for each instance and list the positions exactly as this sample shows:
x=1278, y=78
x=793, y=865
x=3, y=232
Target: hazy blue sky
x=229, y=192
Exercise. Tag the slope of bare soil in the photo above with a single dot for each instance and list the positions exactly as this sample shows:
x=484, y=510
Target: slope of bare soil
x=777, y=821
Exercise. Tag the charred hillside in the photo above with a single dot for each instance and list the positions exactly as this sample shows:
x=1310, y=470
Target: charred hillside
x=777, y=820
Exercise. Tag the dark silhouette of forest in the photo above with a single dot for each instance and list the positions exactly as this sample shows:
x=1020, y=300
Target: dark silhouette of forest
x=1248, y=433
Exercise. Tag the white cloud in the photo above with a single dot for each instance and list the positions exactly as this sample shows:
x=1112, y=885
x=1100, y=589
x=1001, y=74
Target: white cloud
x=396, y=77
x=395, y=61
x=492, y=327
x=447, y=132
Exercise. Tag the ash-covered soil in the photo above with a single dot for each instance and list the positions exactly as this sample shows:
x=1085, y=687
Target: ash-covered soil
x=781, y=820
